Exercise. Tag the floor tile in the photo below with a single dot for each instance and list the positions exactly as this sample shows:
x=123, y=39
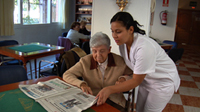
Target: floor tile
x=189, y=62
x=186, y=78
x=186, y=59
x=190, y=100
x=198, y=84
x=191, y=109
x=181, y=65
x=182, y=68
x=181, y=72
x=196, y=79
x=197, y=62
x=176, y=99
x=173, y=108
x=194, y=69
x=191, y=65
x=196, y=56
x=189, y=91
x=195, y=74
x=196, y=59
x=188, y=84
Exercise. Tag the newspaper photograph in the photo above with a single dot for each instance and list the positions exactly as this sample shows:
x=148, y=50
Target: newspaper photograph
x=47, y=88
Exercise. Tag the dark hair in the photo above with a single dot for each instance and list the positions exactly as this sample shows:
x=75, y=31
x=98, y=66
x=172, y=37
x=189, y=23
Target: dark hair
x=128, y=21
x=74, y=24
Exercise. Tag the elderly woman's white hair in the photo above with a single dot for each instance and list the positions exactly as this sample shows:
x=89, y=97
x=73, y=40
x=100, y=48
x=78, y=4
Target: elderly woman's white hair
x=99, y=39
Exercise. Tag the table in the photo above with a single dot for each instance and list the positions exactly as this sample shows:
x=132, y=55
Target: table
x=84, y=40
x=102, y=108
x=165, y=46
x=25, y=56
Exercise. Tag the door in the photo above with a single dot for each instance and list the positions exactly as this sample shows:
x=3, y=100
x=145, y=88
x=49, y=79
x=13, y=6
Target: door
x=187, y=27
x=195, y=29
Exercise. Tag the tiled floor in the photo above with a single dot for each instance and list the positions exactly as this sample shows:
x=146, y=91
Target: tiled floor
x=44, y=65
x=187, y=99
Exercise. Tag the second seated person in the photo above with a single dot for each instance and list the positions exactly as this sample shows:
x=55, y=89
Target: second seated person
x=83, y=29
x=74, y=34
x=99, y=69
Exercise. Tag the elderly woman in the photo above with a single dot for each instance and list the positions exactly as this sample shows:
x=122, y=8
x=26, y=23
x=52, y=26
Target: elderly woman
x=99, y=69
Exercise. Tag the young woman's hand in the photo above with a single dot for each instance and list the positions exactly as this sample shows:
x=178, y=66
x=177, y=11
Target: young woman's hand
x=86, y=88
x=103, y=95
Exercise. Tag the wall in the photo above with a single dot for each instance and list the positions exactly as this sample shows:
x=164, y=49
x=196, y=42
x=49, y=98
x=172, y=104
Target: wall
x=45, y=33
x=167, y=32
x=35, y=33
x=103, y=10
x=184, y=4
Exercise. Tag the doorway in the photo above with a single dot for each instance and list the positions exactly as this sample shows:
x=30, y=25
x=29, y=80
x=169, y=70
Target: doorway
x=188, y=28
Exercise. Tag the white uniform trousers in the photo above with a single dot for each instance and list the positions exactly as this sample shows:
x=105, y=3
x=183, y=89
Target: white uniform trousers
x=153, y=101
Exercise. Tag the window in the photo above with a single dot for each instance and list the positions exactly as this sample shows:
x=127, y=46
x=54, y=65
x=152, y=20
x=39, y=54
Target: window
x=36, y=11
x=55, y=10
x=17, y=12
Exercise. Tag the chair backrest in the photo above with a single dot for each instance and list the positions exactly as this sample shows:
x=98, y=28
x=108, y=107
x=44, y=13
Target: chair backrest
x=171, y=42
x=64, y=34
x=176, y=54
x=70, y=58
x=129, y=107
x=86, y=47
x=64, y=42
x=8, y=42
x=12, y=73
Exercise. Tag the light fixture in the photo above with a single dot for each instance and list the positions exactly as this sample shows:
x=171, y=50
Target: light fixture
x=122, y=4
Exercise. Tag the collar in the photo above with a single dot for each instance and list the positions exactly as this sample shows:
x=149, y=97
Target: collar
x=104, y=63
x=110, y=62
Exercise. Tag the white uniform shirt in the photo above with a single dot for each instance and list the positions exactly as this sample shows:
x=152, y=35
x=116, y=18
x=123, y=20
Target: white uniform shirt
x=74, y=36
x=147, y=57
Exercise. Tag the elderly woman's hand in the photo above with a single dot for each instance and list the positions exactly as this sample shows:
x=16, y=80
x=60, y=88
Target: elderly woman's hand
x=86, y=88
x=103, y=95
x=121, y=80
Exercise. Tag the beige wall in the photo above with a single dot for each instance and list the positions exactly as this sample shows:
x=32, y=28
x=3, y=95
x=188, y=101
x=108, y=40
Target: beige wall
x=160, y=31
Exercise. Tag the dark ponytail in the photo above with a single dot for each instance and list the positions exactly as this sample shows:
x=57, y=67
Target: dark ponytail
x=127, y=21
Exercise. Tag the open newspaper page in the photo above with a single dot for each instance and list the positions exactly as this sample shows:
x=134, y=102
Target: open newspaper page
x=74, y=101
x=56, y=95
x=47, y=88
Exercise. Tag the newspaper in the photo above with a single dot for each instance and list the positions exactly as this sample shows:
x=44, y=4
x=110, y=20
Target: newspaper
x=56, y=95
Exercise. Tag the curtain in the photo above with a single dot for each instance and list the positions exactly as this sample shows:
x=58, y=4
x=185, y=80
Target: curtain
x=6, y=17
x=64, y=13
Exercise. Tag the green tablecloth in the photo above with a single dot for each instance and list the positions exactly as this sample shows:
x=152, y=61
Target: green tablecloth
x=29, y=48
x=16, y=101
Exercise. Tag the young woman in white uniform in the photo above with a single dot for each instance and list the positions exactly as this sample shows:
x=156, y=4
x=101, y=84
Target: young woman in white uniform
x=154, y=71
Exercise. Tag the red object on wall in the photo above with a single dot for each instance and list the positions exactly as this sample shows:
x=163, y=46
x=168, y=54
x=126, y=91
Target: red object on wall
x=163, y=17
x=165, y=3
